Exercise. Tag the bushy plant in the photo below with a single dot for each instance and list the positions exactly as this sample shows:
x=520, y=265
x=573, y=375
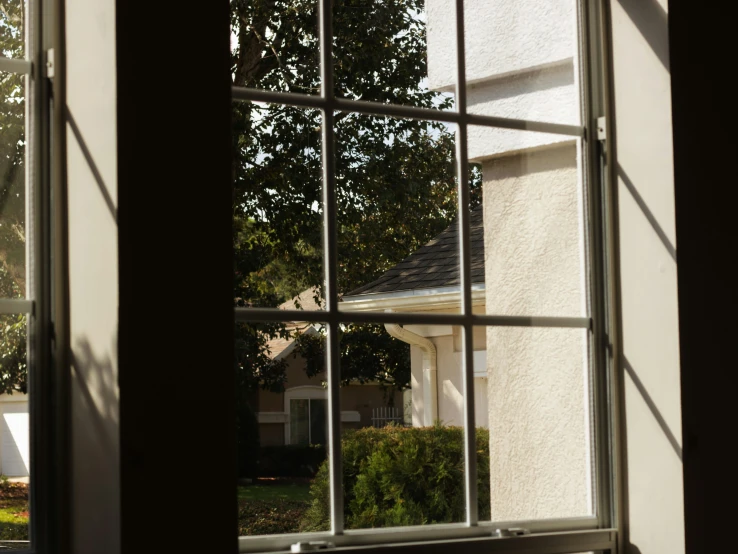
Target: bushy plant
x=401, y=476
x=291, y=460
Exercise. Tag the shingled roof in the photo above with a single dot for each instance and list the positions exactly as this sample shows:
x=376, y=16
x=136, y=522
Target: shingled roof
x=434, y=265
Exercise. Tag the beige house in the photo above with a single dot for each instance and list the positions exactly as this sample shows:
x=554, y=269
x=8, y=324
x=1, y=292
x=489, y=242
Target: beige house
x=299, y=414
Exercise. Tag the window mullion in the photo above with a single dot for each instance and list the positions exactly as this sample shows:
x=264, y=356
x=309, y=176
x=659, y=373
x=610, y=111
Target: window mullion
x=330, y=254
x=470, y=457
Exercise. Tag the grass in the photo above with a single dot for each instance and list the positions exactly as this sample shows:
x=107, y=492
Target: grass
x=272, y=506
x=276, y=489
x=13, y=511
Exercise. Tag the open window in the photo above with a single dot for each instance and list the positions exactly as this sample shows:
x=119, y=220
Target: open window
x=424, y=180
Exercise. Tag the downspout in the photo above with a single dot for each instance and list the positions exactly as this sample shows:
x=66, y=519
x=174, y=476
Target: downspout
x=430, y=369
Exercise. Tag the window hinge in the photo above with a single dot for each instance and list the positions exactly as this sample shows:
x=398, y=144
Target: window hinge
x=512, y=532
x=601, y=128
x=50, y=63
x=311, y=546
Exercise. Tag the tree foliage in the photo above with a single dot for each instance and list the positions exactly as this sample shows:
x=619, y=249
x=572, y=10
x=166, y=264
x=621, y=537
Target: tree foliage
x=13, y=367
x=395, y=178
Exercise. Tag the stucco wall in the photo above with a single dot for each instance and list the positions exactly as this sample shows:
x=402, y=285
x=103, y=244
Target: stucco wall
x=502, y=37
x=539, y=446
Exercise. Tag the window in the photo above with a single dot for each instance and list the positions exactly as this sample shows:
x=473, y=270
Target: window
x=307, y=421
x=306, y=407
x=493, y=317
x=20, y=273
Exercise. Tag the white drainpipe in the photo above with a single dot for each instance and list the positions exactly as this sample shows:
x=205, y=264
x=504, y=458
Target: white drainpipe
x=430, y=369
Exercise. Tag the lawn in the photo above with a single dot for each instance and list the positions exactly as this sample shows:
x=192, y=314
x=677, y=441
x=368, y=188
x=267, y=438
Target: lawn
x=276, y=489
x=267, y=507
x=272, y=506
x=13, y=511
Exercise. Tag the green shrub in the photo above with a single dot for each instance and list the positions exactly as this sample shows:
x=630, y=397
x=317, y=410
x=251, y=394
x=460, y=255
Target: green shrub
x=401, y=476
x=291, y=460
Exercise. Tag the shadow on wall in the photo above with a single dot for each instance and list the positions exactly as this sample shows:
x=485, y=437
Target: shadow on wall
x=641, y=203
x=652, y=22
x=95, y=443
x=92, y=165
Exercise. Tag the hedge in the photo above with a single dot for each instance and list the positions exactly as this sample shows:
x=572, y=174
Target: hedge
x=399, y=476
x=291, y=460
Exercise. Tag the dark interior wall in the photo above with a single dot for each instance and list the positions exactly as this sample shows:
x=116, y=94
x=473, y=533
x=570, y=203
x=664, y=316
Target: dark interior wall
x=176, y=318
x=703, y=50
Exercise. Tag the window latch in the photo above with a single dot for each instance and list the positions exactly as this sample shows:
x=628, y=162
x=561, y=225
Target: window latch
x=50, y=63
x=512, y=532
x=601, y=128
x=311, y=546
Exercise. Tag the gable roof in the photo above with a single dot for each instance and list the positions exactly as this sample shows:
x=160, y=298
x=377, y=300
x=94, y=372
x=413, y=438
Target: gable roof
x=434, y=265
x=280, y=347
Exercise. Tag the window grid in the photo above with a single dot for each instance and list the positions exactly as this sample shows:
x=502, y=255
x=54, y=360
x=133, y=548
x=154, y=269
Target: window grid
x=332, y=317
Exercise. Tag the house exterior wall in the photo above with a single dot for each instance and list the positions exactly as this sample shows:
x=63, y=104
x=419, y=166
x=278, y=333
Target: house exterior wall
x=536, y=378
x=14, y=435
x=539, y=448
x=355, y=400
x=449, y=360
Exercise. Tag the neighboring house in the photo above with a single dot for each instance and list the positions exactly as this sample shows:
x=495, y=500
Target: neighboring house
x=14, y=435
x=428, y=281
x=298, y=415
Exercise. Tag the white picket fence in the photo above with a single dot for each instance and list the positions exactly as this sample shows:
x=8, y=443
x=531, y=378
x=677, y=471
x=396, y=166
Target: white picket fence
x=385, y=415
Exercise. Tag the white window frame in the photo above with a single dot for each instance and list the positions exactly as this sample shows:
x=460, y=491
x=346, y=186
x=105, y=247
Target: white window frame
x=310, y=392
x=596, y=533
x=305, y=392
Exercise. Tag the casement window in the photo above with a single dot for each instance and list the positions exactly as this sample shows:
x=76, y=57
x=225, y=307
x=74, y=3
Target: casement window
x=515, y=281
x=23, y=268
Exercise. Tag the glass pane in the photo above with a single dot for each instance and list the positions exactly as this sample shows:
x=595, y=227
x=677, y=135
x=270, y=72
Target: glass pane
x=529, y=70
x=382, y=54
x=536, y=398
x=318, y=422
x=300, y=421
x=12, y=187
x=12, y=29
x=397, y=216
x=402, y=449
x=274, y=46
x=278, y=390
x=533, y=224
x=277, y=207
x=14, y=433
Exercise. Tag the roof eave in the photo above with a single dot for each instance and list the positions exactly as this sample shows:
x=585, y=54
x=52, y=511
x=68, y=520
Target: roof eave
x=443, y=298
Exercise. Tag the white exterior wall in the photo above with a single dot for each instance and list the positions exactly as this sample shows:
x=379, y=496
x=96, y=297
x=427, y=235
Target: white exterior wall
x=449, y=376
x=520, y=64
x=15, y=458
x=538, y=417
x=502, y=37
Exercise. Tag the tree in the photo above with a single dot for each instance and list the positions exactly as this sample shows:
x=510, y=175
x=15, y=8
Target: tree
x=13, y=367
x=396, y=185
